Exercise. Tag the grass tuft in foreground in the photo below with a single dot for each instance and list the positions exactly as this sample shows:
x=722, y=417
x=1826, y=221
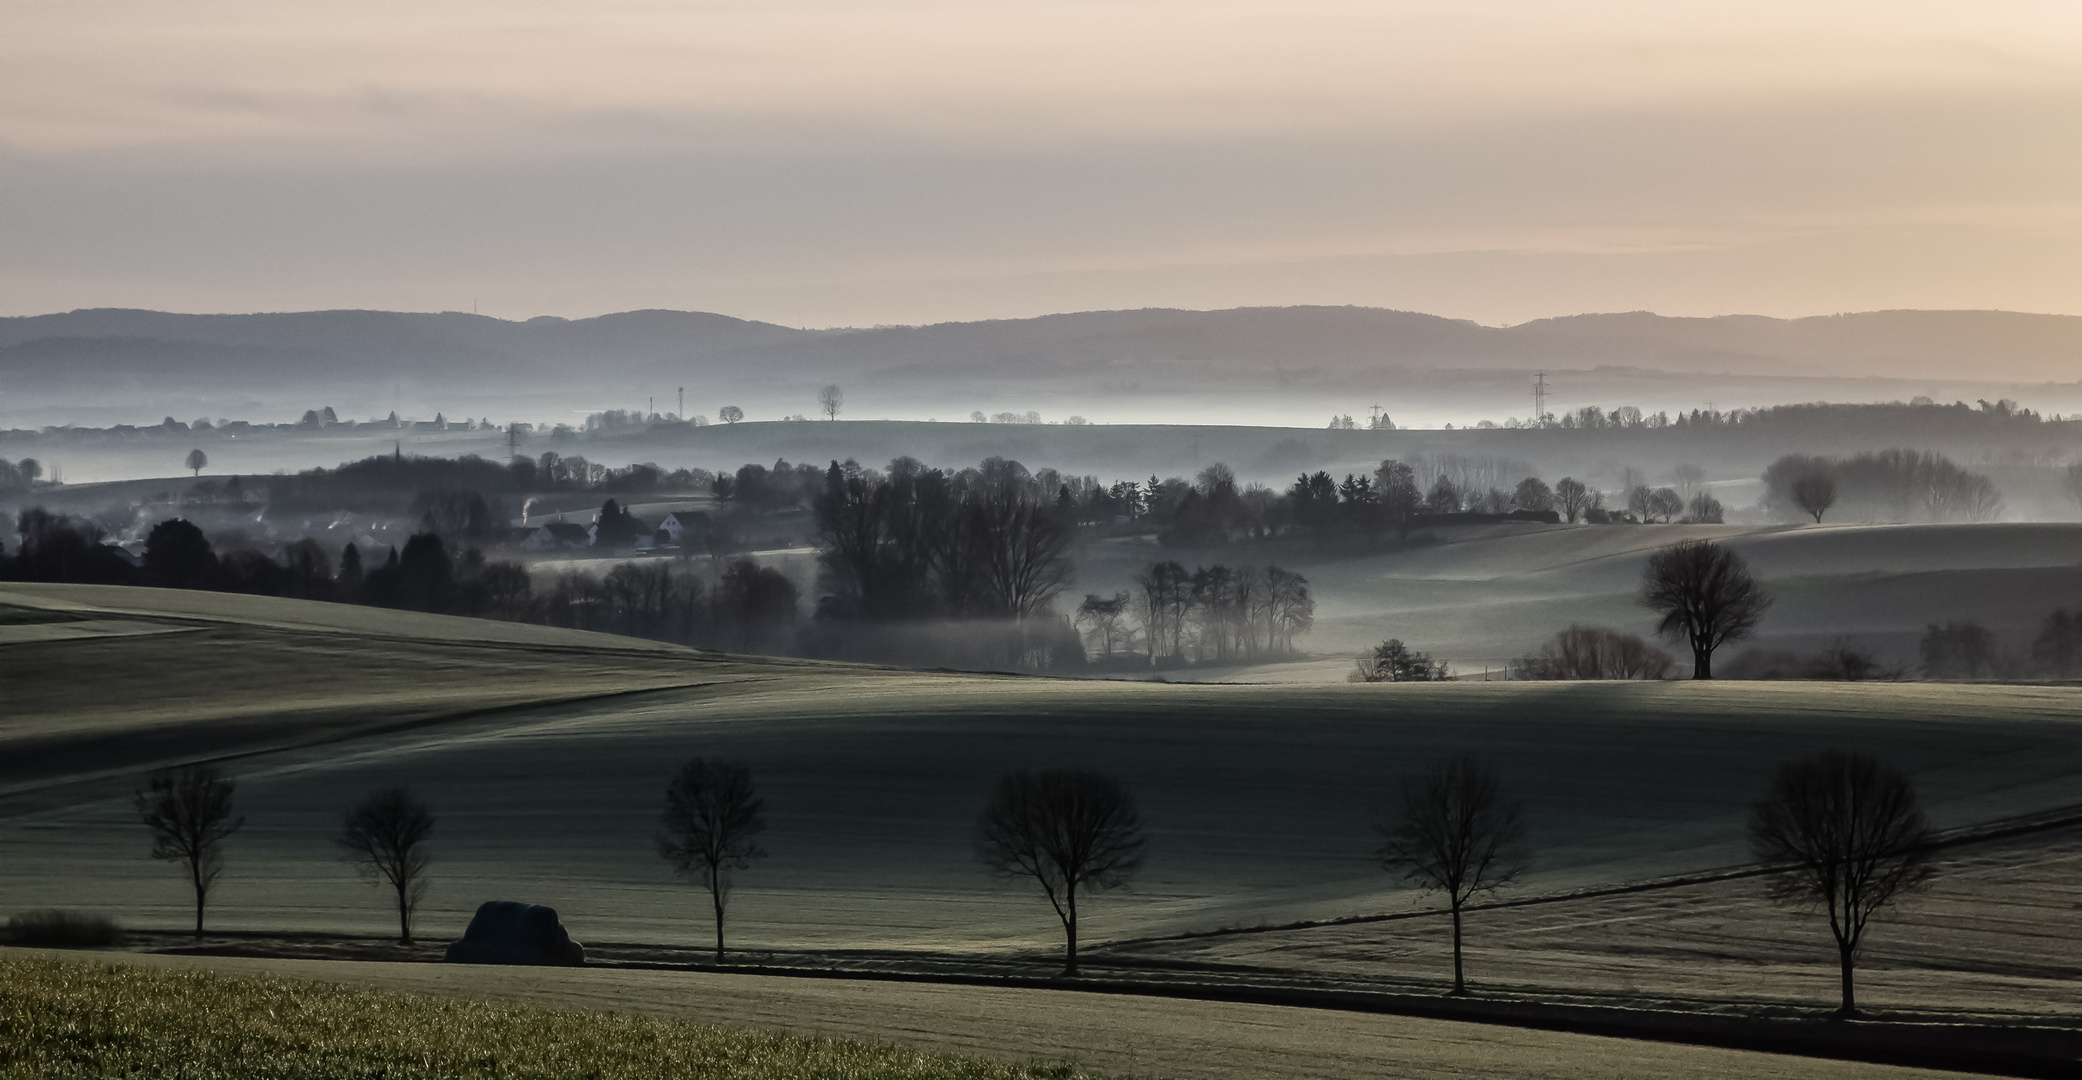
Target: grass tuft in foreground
x=67, y=1019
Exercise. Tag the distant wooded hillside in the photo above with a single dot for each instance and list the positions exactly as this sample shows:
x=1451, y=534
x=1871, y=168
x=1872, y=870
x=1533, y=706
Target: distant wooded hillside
x=1185, y=344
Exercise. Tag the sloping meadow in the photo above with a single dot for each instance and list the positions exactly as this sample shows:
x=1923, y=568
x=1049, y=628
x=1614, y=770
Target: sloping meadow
x=1259, y=800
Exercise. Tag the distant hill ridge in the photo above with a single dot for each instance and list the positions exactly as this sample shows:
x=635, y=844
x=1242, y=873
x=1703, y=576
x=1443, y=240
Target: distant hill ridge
x=1159, y=343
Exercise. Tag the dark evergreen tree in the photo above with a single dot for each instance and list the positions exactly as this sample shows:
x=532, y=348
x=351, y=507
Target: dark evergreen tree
x=349, y=581
x=426, y=574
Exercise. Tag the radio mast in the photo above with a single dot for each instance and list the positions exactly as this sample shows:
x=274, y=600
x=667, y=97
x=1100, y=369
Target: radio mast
x=1540, y=400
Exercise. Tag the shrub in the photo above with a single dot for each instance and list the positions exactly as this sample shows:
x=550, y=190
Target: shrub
x=1392, y=661
x=1593, y=652
x=1704, y=509
x=1841, y=661
x=1958, y=650
x=63, y=929
x=1845, y=662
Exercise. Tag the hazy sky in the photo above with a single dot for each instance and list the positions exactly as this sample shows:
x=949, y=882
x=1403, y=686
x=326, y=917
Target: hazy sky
x=864, y=161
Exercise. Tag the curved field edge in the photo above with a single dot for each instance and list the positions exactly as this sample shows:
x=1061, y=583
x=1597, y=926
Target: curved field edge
x=62, y=1019
x=283, y=613
x=106, y=679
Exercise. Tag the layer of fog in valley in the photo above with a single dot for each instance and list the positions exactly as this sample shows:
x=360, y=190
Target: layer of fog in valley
x=1474, y=546
x=1291, y=367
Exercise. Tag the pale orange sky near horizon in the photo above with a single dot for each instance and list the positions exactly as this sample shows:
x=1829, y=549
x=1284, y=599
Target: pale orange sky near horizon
x=851, y=163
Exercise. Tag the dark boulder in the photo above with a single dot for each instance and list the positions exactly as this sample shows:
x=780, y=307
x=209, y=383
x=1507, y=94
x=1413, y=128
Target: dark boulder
x=506, y=932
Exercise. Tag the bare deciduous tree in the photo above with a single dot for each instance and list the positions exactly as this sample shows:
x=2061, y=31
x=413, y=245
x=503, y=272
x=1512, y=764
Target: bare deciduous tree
x=1704, y=509
x=711, y=815
x=1688, y=479
x=1802, y=483
x=730, y=414
x=1814, y=494
x=1665, y=503
x=1449, y=829
x=1532, y=493
x=1847, y=835
x=1021, y=553
x=508, y=588
x=188, y=811
x=1571, y=498
x=1706, y=596
x=1069, y=831
x=384, y=836
x=1102, y=619
x=831, y=399
x=1640, y=502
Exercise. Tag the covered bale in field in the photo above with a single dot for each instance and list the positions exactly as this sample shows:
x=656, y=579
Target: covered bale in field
x=507, y=932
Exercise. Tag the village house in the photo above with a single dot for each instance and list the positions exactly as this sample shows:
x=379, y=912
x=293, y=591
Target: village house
x=684, y=526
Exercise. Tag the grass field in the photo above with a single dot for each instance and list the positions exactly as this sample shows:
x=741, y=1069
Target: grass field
x=936, y=1030
x=1257, y=799
x=544, y=754
x=61, y=1019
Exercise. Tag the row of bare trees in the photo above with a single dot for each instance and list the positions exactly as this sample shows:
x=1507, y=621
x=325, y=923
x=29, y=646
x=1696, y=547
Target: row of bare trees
x=189, y=813
x=1210, y=614
x=916, y=543
x=1890, y=485
x=749, y=608
x=1593, y=652
x=1842, y=832
x=1837, y=831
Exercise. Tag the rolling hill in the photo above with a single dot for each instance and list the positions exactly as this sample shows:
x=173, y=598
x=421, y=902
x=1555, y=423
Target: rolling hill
x=1189, y=344
x=1169, y=363
x=1479, y=596
x=544, y=754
